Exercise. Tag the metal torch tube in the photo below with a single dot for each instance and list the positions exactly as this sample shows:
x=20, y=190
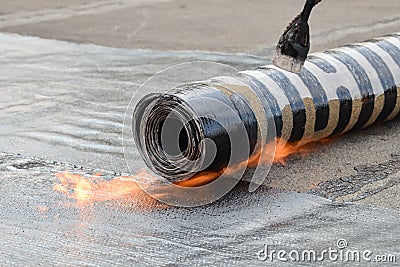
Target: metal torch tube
x=339, y=90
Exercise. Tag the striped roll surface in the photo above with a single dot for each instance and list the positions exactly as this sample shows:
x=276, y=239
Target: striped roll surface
x=343, y=89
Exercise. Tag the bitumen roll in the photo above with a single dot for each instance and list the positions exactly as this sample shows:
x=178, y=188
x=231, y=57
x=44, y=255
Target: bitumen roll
x=339, y=90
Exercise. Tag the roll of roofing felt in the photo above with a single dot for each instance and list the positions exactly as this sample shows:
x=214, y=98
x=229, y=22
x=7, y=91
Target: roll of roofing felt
x=200, y=127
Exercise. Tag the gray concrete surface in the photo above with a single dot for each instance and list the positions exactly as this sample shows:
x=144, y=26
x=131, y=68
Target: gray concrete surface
x=65, y=102
x=226, y=26
x=42, y=227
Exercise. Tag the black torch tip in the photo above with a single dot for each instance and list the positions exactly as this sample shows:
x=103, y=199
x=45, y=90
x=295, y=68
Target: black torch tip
x=294, y=44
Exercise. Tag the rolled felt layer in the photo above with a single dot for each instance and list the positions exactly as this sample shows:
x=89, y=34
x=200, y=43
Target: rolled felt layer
x=201, y=127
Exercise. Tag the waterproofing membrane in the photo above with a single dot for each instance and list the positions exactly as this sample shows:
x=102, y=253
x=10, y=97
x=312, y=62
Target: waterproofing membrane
x=339, y=90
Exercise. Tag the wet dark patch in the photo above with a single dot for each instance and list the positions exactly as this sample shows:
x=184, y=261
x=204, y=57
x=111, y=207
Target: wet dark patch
x=28, y=165
x=361, y=185
x=17, y=162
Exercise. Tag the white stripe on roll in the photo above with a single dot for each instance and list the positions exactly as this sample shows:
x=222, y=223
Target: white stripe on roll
x=376, y=85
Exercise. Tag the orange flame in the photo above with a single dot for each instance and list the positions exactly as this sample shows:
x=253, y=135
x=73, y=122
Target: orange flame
x=201, y=179
x=283, y=151
x=88, y=190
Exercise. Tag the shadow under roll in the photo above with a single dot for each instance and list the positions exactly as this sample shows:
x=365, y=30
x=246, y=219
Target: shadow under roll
x=204, y=126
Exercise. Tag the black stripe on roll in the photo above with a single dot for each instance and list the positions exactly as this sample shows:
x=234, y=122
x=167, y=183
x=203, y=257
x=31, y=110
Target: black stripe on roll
x=263, y=92
x=391, y=49
x=321, y=63
x=364, y=85
x=346, y=108
x=295, y=100
x=386, y=79
x=319, y=97
x=390, y=104
x=248, y=118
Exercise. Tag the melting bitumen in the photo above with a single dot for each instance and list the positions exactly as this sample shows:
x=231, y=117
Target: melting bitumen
x=65, y=102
